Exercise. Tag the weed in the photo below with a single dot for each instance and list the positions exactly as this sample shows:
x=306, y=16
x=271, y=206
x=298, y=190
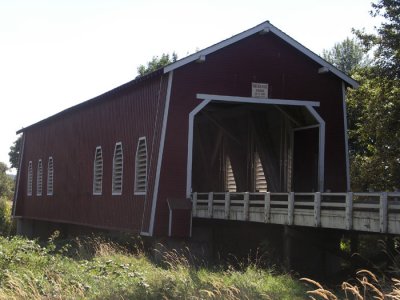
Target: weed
x=96, y=268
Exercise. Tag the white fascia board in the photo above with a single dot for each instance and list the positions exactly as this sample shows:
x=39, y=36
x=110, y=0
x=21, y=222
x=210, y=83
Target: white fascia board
x=225, y=98
x=314, y=56
x=263, y=27
x=216, y=47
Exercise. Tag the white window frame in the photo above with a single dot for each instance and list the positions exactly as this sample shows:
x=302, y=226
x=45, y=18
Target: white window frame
x=39, y=178
x=50, y=176
x=30, y=179
x=95, y=171
x=113, y=187
x=140, y=190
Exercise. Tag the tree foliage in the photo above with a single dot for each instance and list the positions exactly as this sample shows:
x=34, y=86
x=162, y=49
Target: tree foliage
x=157, y=63
x=347, y=55
x=14, y=152
x=374, y=108
x=6, y=182
x=386, y=41
x=374, y=135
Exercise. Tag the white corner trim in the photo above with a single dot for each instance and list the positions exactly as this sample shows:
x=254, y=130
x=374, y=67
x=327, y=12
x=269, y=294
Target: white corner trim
x=145, y=233
x=190, y=146
x=346, y=138
x=160, y=154
x=263, y=28
x=21, y=156
x=321, y=148
x=227, y=98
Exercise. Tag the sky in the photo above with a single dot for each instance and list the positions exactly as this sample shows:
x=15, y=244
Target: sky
x=57, y=53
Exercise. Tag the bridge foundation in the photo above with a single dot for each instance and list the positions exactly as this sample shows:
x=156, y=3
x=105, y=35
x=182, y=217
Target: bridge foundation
x=312, y=252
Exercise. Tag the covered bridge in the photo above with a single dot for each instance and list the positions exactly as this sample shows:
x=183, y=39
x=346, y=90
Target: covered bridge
x=257, y=113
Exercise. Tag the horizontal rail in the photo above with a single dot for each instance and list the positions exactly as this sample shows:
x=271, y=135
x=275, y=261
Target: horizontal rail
x=375, y=212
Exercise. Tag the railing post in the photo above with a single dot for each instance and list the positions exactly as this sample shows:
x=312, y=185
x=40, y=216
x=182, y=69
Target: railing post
x=246, y=206
x=383, y=212
x=349, y=211
x=194, y=204
x=317, y=209
x=267, y=207
x=290, y=208
x=210, y=204
x=227, y=204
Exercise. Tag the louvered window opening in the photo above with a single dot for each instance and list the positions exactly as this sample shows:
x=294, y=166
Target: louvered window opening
x=39, y=178
x=50, y=176
x=118, y=166
x=141, y=167
x=230, y=178
x=98, y=171
x=30, y=179
x=260, y=181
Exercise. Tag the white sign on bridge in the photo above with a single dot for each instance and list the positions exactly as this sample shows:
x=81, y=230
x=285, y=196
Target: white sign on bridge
x=259, y=90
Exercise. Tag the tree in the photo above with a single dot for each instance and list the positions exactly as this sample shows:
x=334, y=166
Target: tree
x=157, y=63
x=386, y=41
x=346, y=55
x=374, y=108
x=374, y=132
x=6, y=182
x=15, y=150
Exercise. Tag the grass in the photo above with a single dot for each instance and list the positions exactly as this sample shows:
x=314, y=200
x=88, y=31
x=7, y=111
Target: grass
x=96, y=269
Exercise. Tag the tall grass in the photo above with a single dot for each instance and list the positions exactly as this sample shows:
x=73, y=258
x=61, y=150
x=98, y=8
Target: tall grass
x=99, y=269
x=366, y=284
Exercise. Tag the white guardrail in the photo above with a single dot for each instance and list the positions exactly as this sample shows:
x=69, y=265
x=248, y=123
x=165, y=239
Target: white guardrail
x=371, y=212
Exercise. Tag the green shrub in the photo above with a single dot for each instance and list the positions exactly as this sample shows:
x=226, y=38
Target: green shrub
x=7, y=226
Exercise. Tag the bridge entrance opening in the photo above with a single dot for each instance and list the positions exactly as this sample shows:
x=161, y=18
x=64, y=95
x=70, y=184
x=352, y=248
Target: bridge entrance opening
x=250, y=147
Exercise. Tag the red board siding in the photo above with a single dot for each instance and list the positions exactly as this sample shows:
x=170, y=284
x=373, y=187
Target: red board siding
x=230, y=71
x=71, y=140
x=135, y=111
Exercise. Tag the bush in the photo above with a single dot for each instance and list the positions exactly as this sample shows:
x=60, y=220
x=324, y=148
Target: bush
x=7, y=226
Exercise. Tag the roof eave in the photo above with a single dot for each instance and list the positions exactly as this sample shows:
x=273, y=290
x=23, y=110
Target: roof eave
x=95, y=99
x=264, y=28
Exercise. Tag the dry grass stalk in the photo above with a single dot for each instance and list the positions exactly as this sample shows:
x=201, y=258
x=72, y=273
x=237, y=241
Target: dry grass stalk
x=372, y=275
x=320, y=291
x=312, y=282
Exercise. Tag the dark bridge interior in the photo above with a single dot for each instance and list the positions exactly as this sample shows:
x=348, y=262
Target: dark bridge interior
x=254, y=147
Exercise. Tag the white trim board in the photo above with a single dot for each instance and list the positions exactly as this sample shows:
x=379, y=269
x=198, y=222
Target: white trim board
x=346, y=138
x=160, y=155
x=21, y=157
x=321, y=148
x=263, y=28
x=192, y=114
x=257, y=100
x=307, y=104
